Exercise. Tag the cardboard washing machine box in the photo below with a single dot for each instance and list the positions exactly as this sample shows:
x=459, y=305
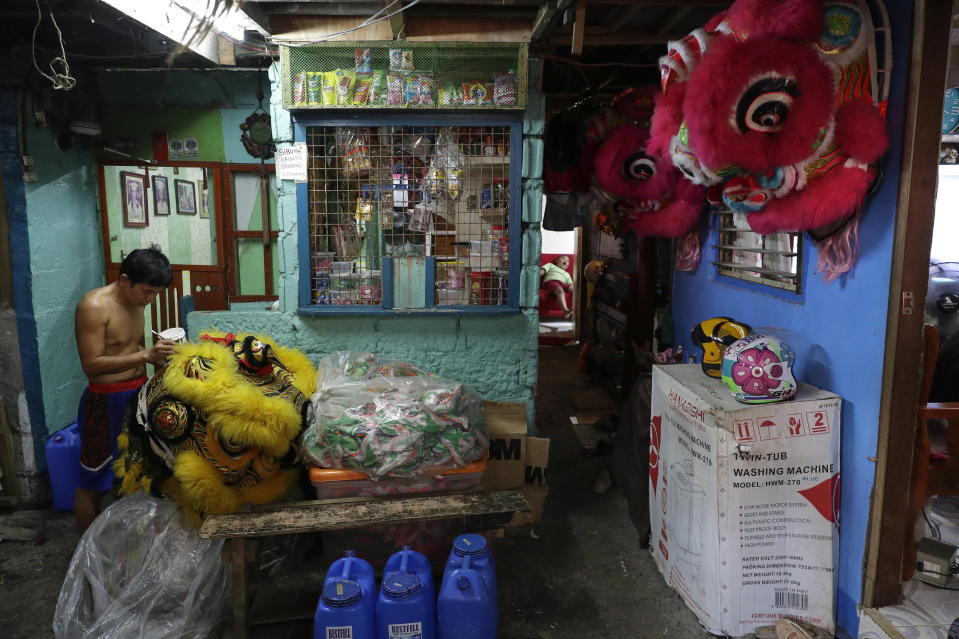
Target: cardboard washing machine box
x=744, y=501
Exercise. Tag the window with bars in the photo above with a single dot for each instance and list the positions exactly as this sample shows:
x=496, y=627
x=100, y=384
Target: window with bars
x=771, y=260
x=412, y=216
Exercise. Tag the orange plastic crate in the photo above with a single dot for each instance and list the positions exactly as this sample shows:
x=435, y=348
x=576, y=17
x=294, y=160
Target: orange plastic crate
x=335, y=483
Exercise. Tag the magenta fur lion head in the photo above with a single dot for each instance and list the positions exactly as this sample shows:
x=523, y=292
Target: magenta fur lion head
x=650, y=192
x=766, y=102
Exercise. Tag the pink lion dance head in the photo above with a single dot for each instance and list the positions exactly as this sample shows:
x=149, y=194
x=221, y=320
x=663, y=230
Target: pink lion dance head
x=774, y=106
x=653, y=195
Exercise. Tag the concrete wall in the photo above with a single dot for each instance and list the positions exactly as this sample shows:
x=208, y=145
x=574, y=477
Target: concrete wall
x=25, y=483
x=837, y=329
x=496, y=355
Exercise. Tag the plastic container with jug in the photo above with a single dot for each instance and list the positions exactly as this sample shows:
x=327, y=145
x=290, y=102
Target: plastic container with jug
x=406, y=606
x=466, y=605
x=347, y=602
x=63, y=460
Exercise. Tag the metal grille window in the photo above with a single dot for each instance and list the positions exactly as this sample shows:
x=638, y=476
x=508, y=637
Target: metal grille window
x=410, y=217
x=772, y=260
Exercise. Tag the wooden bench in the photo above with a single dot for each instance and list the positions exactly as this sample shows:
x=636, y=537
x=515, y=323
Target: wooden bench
x=483, y=510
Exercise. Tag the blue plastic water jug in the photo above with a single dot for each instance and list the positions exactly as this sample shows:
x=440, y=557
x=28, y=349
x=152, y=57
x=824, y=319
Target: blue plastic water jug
x=63, y=462
x=481, y=559
x=465, y=608
x=404, y=609
x=354, y=568
x=408, y=560
x=347, y=603
x=406, y=606
x=343, y=612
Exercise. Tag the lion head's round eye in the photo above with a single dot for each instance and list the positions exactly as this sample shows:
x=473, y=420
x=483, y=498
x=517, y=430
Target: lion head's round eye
x=639, y=167
x=764, y=106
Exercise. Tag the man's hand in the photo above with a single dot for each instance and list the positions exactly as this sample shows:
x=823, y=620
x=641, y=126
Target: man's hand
x=161, y=350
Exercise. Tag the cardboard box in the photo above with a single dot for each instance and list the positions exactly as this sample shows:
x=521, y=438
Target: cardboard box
x=744, y=501
x=535, y=487
x=506, y=425
x=515, y=460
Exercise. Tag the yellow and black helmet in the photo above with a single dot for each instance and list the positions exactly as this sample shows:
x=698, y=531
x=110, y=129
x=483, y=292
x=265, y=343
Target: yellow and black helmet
x=713, y=336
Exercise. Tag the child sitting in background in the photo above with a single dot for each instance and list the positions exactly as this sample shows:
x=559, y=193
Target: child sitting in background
x=557, y=281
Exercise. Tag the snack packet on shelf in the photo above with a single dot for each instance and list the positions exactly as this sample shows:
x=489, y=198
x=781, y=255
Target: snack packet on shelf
x=329, y=88
x=476, y=93
x=395, y=89
x=450, y=95
x=299, y=89
x=314, y=88
x=504, y=89
x=401, y=60
x=362, y=58
x=377, y=87
x=362, y=92
x=343, y=81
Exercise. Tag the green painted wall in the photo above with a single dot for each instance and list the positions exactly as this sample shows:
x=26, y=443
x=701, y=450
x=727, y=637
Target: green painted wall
x=208, y=105
x=496, y=355
x=134, y=128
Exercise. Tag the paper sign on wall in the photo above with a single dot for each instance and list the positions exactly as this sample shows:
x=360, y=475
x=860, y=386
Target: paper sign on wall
x=291, y=162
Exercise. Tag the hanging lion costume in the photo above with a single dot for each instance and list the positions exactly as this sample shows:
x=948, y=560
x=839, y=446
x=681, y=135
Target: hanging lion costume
x=218, y=426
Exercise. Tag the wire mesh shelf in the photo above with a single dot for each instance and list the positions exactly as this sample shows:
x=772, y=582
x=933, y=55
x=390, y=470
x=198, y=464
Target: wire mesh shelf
x=433, y=200
x=405, y=75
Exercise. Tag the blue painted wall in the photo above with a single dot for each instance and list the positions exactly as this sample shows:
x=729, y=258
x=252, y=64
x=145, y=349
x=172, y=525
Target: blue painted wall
x=838, y=330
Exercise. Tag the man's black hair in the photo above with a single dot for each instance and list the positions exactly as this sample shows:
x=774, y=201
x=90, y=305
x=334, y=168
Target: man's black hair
x=149, y=266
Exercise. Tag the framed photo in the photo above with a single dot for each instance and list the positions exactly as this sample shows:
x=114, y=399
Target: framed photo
x=161, y=196
x=134, y=187
x=205, y=203
x=185, y=197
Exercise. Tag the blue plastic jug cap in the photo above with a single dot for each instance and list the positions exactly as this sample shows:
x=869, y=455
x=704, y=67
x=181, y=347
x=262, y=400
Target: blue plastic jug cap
x=341, y=592
x=469, y=545
x=349, y=553
x=401, y=584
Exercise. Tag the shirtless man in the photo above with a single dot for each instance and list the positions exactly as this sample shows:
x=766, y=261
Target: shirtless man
x=109, y=332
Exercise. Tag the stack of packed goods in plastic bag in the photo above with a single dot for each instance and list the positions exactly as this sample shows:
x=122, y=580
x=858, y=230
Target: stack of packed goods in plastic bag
x=390, y=419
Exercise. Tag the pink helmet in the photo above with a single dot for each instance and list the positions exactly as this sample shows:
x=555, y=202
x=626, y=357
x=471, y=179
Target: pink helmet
x=758, y=369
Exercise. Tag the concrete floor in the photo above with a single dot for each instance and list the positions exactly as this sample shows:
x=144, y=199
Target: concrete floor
x=580, y=573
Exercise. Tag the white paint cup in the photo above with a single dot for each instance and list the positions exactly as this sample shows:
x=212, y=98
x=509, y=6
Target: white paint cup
x=174, y=334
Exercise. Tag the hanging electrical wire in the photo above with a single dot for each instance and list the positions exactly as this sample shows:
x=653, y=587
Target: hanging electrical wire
x=60, y=78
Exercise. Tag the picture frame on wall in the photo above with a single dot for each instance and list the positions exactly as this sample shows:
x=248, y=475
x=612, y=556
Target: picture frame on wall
x=161, y=195
x=205, y=203
x=134, y=194
x=185, y=197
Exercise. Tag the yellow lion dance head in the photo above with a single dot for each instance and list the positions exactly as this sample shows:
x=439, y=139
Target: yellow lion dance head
x=218, y=426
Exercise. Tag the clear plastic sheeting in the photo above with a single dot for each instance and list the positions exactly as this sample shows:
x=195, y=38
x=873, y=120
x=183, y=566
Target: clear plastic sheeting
x=140, y=571
x=387, y=418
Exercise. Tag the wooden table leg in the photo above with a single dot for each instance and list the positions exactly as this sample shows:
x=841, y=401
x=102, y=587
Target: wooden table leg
x=238, y=563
